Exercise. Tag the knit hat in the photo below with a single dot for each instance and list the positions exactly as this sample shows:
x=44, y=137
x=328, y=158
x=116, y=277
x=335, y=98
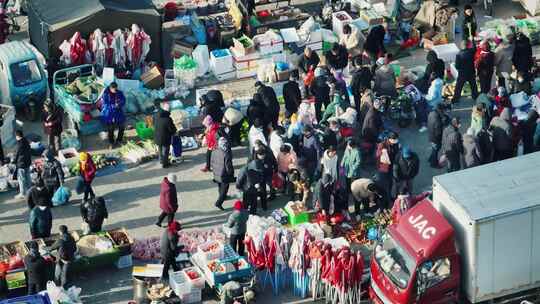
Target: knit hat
x=174, y=227
x=172, y=178
x=238, y=205
x=83, y=156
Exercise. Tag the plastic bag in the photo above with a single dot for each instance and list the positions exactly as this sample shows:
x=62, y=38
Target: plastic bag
x=61, y=196
x=277, y=181
x=79, y=188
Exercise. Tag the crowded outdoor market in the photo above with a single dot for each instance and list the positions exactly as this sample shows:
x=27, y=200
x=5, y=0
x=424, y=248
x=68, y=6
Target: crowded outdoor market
x=269, y=151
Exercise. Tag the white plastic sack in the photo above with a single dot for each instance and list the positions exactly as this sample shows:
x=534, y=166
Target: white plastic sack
x=201, y=56
x=519, y=99
x=233, y=116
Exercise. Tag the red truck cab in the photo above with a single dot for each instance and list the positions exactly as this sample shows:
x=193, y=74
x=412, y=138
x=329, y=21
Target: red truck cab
x=416, y=260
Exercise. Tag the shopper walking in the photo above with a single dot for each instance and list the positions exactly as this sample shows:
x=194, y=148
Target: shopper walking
x=52, y=172
x=169, y=248
x=469, y=24
x=23, y=160
x=112, y=113
x=452, y=145
x=93, y=213
x=38, y=196
x=164, y=131
x=237, y=222
x=36, y=272
x=40, y=221
x=501, y=134
x=485, y=65
x=210, y=139
x=466, y=70
x=88, y=173
x=406, y=168
x=292, y=95
x=503, y=60
x=168, y=199
x=251, y=182
x=270, y=101
x=222, y=168
x=371, y=127
x=52, y=125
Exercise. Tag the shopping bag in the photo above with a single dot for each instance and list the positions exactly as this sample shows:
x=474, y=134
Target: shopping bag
x=85, y=228
x=176, y=144
x=309, y=77
x=61, y=196
x=79, y=188
x=277, y=181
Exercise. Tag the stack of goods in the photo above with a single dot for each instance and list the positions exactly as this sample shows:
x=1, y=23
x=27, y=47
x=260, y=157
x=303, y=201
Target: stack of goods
x=94, y=245
x=335, y=273
x=187, y=284
x=367, y=231
x=146, y=249
x=193, y=238
x=310, y=35
x=137, y=152
x=220, y=263
x=280, y=216
x=158, y=292
x=245, y=63
x=79, y=98
x=221, y=64
x=297, y=213
x=11, y=258
x=500, y=28
x=185, y=71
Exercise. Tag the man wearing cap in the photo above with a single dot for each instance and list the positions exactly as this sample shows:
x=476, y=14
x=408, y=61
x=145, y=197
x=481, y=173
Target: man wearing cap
x=406, y=168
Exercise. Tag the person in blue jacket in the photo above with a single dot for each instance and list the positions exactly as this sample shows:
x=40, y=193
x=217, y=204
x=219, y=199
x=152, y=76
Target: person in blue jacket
x=112, y=113
x=40, y=221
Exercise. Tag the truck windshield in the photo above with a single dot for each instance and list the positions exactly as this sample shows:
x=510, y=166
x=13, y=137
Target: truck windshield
x=394, y=260
x=25, y=73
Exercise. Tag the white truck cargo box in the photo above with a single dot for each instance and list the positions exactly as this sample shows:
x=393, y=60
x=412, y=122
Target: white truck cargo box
x=495, y=212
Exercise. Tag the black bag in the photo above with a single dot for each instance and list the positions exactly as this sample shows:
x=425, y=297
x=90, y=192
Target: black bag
x=49, y=175
x=93, y=210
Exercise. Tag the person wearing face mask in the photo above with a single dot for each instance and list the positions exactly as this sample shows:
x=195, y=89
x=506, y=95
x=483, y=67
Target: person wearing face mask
x=222, y=167
x=112, y=113
x=251, y=181
x=385, y=155
x=40, y=221
x=452, y=145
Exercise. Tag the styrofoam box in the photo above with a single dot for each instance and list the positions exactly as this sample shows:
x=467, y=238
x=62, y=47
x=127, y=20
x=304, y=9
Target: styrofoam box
x=245, y=73
x=266, y=46
x=446, y=52
x=221, y=65
x=124, y=262
x=337, y=25
x=68, y=161
x=238, y=57
x=197, y=283
x=226, y=76
x=194, y=296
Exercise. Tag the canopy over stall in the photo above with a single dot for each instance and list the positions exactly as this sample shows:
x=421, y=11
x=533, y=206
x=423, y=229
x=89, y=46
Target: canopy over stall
x=52, y=22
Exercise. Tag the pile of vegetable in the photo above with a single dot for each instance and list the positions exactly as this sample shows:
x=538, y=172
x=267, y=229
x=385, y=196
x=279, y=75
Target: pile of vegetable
x=92, y=245
x=100, y=160
x=366, y=231
x=137, y=152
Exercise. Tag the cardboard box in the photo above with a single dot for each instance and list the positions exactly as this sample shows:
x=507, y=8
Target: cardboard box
x=182, y=47
x=243, y=45
x=371, y=17
x=339, y=19
x=283, y=75
x=152, y=78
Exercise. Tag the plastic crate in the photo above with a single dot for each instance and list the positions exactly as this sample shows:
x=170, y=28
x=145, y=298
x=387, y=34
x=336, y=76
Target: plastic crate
x=179, y=283
x=298, y=219
x=143, y=131
x=194, y=296
x=33, y=299
x=211, y=255
x=197, y=283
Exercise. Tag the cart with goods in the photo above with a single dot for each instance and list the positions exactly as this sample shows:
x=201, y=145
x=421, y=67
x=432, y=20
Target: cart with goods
x=77, y=91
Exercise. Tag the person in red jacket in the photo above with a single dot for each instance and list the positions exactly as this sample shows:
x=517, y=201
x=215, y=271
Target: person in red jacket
x=168, y=199
x=88, y=172
x=210, y=137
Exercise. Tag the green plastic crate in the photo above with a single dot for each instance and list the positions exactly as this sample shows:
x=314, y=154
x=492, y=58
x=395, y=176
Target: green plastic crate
x=143, y=131
x=326, y=46
x=298, y=219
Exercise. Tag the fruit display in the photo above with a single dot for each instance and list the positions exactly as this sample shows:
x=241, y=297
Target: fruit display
x=120, y=238
x=295, y=207
x=192, y=275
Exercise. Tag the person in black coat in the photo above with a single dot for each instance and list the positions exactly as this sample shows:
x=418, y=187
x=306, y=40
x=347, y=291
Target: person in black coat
x=452, y=145
x=466, y=70
x=485, y=145
x=23, y=160
x=270, y=101
x=405, y=169
x=36, y=270
x=222, y=167
x=251, y=181
x=38, y=196
x=292, y=95
x=164, y=129
x=256, y=109
x=270, y=164
x=309, y=61
x=361, y=80
x=94, y=212
x=212, y=104
x=337, y=58
x=66, y=247
x=372, y=126
x=436, y=122
x=527, y=128
x=523, y=56
x=321, y=92
x=435, y=68
x=374, y=45
x=469, y=23
x=52, y=173
x=169, y=248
